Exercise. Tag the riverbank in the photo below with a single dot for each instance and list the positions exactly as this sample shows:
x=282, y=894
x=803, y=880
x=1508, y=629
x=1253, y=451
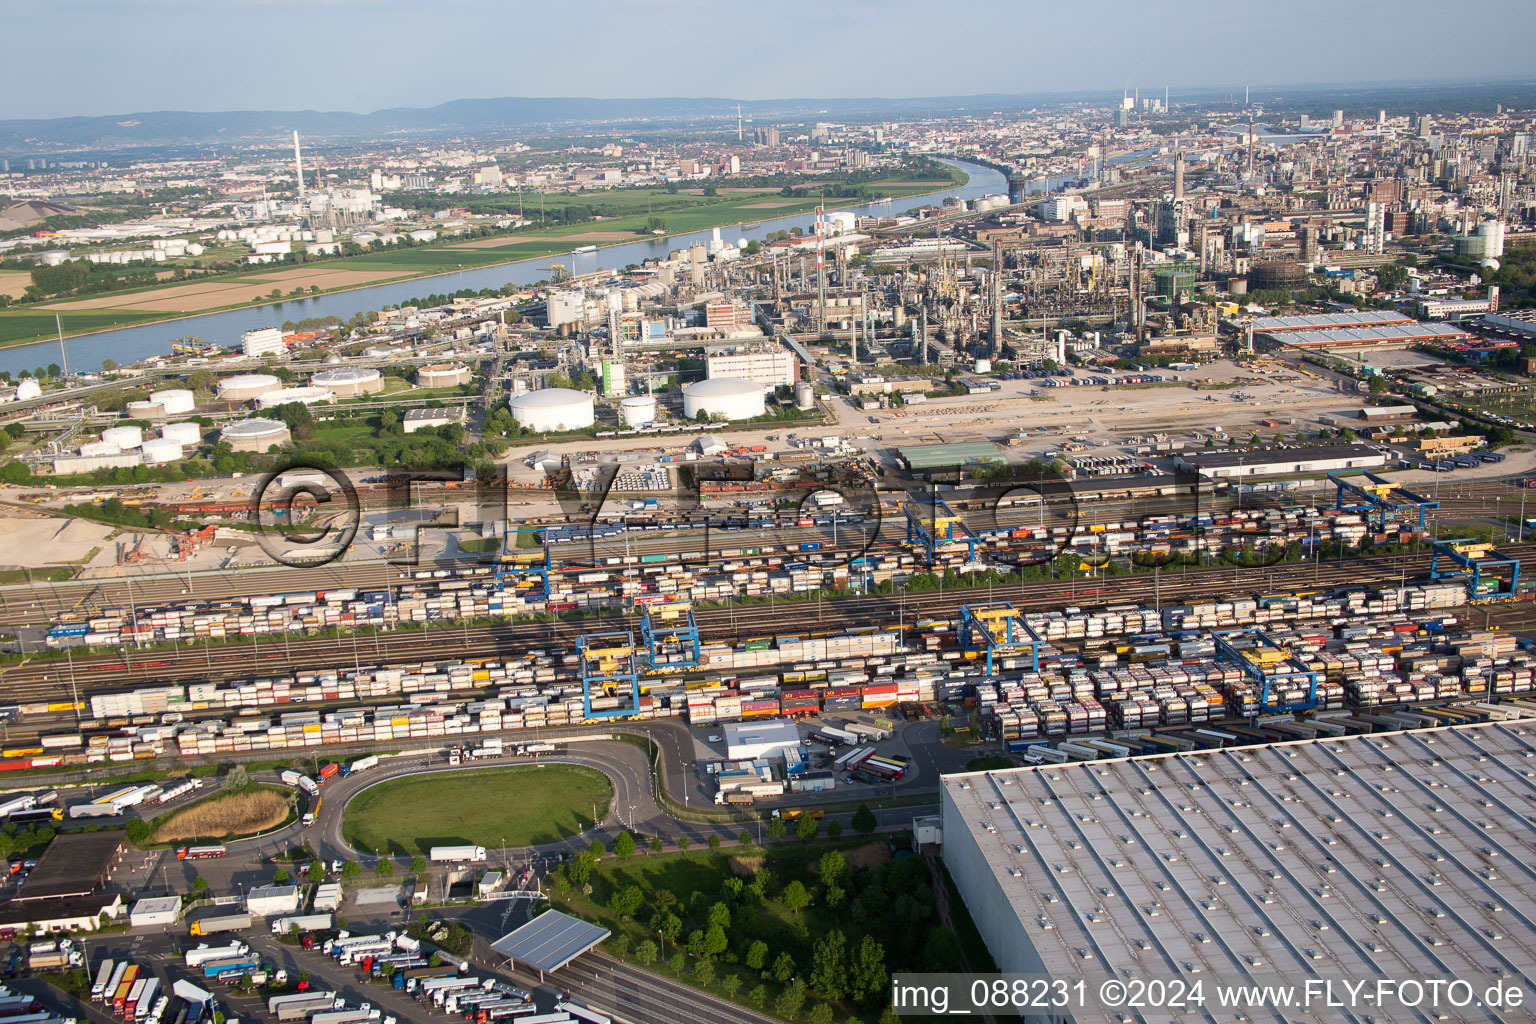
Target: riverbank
x=168, y=303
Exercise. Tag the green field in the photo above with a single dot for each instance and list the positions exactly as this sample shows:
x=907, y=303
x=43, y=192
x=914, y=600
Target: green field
x=518, y=806
x=18, y=326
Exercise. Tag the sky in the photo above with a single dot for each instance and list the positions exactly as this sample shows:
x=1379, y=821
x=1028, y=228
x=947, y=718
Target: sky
x=93, y=57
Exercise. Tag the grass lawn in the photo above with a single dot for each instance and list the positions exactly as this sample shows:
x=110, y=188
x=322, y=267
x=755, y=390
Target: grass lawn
x=522, y=805
x=17, y=326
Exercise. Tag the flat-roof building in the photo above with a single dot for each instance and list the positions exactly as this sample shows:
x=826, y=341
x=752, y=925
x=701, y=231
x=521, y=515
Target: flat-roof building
x=1325, y=458
x=752, y=741
x=1385, y=856
x=923, y=457
x=74, y=864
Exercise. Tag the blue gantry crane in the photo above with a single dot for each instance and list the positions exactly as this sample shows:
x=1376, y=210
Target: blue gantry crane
x=1491, y=574
x=610, y=676
x=671, y=635
x=931, y=523
x=999, y=629
x=522, y=566
x=1378, y=495
x=1270, y=665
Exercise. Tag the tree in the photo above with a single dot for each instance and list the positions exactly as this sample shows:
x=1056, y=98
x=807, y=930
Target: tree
x=626, y=902
x=829, y=966
x=776, y=829
x=729, y=984
x=795, y=897
x=744, y=837
x=597, y=849
x=351, y=869
x=790, y=1001
x=237, y=779
x=316, y=872
x=783, y=968
x=682, y=844
x=280, y=877
x=624, y=846
x=757, y=955
x=720, y=914
x=715, y=941
x=864, y=820
x=713, y=842
x=54, y=370
x=834, y=828
x=656, y=844
x=807, y=827
x=139, y=832
x=831, y=868
x=199, y=885
x=645, y=952
x=418, y=864
x=108, y=365
x=384, y=867
x=1378, y=385
x=941, y=953
x=821, y=1013
x=758, y=995
x=704, y=972
x=867, y=975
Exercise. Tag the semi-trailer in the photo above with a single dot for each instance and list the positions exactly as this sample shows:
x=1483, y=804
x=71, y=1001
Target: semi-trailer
x=299, y=1005
x=456, y=854
x=103, y=975
x=231, y=967
x=204, y=953
x=221, y=923
x=301, y=922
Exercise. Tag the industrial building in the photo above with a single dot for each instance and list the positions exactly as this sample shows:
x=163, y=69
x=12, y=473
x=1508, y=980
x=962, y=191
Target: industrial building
x=155, y=912
x=927, y=457
x=245, y=386
x=1353, y=330
x=1393, y=855
x=553, y=409
x=1277, y=461
x=753, y=741
x=422, y=419
x=255, y=434
x=349, y=381
x=266, y=341
x=768, y=364
x=443, y=375
x=273, y=900
x=74, y=864
x=730, y=398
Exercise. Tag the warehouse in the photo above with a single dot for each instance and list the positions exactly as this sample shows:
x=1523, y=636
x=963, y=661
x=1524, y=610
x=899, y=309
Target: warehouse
x=74, y=864
x=1394, y=855
x=924, y=458
x=273, y=900
x=1325, y=458
x=155, y=912
x=752, y=741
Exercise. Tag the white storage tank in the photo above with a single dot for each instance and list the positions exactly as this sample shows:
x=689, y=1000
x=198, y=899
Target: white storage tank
x=638, y=411
x=255, y=434
x=144, y=410
x=983, y=366
x=175, y=401
x=243, y=387
x=159, y=449
x=553, y=409
x=443, y=375
x=805, y=395
x=306, y=395
x=729, y=397
x=349, y=381
x=182, y=433
x=96, y=449
x=123, y=438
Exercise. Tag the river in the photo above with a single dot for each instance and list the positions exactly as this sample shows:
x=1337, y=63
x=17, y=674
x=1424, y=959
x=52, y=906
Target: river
x=130, y=344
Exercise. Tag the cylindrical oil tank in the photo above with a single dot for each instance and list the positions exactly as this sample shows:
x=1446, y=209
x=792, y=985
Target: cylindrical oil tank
x=182, y=433
x=124, y=437
x=159, y=449
x=732, y=398
x=638, y=411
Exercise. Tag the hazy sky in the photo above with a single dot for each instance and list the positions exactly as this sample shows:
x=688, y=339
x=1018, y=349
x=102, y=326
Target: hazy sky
x=88, y=57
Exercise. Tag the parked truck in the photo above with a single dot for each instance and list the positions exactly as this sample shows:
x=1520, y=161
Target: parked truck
x=456, y=854
x=362, y=764
x=221, y=923
x=52, y=956
x=231, y=967
x=103, y=975
x=299, y=1005
x=204, y=953
x=301, y=922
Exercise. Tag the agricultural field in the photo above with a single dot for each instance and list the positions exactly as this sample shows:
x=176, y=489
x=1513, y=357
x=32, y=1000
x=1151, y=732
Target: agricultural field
x=522, y=805
x=227, y=816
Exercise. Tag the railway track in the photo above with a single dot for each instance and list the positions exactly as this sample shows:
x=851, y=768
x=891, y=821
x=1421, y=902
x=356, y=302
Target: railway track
x=60, y=679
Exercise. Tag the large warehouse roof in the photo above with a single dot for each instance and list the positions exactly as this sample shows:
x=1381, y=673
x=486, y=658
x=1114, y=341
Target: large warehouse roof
x=1393, y=855
x=1327, y=321
x=549, y=941
x=1380, y=335
x=74, y=864
x=945, y=456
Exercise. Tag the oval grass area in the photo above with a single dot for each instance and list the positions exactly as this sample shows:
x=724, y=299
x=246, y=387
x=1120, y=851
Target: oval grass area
x=226, y=816
x=523, y=805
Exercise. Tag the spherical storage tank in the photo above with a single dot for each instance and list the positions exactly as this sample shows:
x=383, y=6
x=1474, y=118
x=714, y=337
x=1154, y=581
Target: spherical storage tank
x=255, y=434
x=175, y=401
x=244, y=386
x=349, y=381
x=182, y=433
x=730, y=397
x=553, y=409
x=159, y=449
x=124, y=437
x=639, y=411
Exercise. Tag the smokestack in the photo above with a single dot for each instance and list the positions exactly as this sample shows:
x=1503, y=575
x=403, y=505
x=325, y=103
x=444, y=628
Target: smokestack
x=1178, y=175
x=298, y=165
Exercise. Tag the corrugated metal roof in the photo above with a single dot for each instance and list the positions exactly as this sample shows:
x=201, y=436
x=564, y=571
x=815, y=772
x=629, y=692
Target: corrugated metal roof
x=1391, y=855
x=549, y=941
x=928, y=456
x=1327, y=320
x=1411, y=331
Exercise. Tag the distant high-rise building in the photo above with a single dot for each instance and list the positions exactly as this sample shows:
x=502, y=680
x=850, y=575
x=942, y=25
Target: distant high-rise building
x=1338, y=119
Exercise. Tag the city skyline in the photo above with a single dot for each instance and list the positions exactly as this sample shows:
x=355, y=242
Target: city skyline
x=345, y=55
